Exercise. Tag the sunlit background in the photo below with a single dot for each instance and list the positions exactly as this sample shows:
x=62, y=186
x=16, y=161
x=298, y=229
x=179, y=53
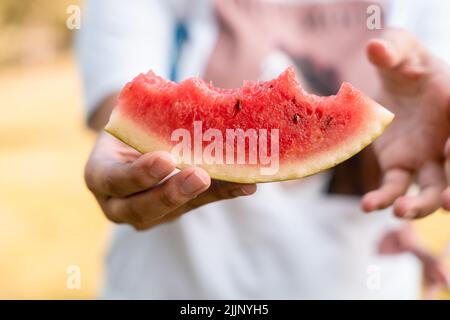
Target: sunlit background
x=48, y=220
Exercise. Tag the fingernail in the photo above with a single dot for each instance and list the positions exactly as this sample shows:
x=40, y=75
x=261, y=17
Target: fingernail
x=244, y=190
x=161, y=167
x=366, y=206
x=194, y=182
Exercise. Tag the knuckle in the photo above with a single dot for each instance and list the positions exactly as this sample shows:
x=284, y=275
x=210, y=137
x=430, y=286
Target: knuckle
x=220, y=191
x=89, y=183
x=141, y=166
x=111, y=215
x=141, y=226
x=226, y=193
x=134, y=213
x=115, y=211
x=139, y=180
x=109, y=184
x=89, y=178
x=170, y=199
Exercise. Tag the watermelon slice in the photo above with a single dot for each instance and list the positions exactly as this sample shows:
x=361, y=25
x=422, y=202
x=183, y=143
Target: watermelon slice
x=285, y=132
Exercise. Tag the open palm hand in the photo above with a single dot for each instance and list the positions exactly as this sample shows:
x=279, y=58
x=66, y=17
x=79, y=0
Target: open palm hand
x=416, y=87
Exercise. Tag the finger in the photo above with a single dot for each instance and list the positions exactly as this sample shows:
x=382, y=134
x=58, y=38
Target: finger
x=392, y=49
x=395, y=184
x=124, y=179
x=441, y=276
x=219, y=190
x=142, y=210
x=446, y=199
x=447, y=149
x=446, y=193
x=431, y=180
x=390, y=244
x=435, y=272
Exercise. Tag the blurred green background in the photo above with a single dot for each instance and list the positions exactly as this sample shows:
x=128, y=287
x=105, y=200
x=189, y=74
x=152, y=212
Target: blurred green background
x=48, y=219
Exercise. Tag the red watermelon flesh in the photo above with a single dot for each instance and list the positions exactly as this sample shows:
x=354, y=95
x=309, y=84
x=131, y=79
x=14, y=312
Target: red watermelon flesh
x=314, y=133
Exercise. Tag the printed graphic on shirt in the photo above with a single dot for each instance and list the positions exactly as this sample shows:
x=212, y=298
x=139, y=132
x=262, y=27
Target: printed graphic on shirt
x=325, y=41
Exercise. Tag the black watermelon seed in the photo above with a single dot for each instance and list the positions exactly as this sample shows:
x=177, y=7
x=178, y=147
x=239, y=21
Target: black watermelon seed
x=238, y=105
x=296, y=118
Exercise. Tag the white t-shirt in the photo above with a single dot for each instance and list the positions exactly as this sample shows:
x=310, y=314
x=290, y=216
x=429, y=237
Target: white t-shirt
x=289, y=240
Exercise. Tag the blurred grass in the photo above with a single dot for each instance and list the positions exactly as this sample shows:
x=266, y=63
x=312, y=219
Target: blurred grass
x=48, y=220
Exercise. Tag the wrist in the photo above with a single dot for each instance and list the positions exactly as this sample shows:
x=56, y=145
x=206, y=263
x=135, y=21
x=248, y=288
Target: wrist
x=100, y=116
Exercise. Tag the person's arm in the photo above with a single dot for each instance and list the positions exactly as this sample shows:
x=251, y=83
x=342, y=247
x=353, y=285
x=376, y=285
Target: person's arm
x=100, y=116
x=119, y=40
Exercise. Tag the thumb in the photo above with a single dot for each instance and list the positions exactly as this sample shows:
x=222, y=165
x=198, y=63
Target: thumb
x=393, y=48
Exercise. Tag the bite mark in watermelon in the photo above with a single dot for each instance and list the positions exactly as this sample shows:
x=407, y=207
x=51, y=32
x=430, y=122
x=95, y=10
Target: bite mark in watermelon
x=315, y=133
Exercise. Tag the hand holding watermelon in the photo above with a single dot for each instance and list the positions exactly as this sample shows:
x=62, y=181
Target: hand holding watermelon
x=416, y=87
x=128, y=187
